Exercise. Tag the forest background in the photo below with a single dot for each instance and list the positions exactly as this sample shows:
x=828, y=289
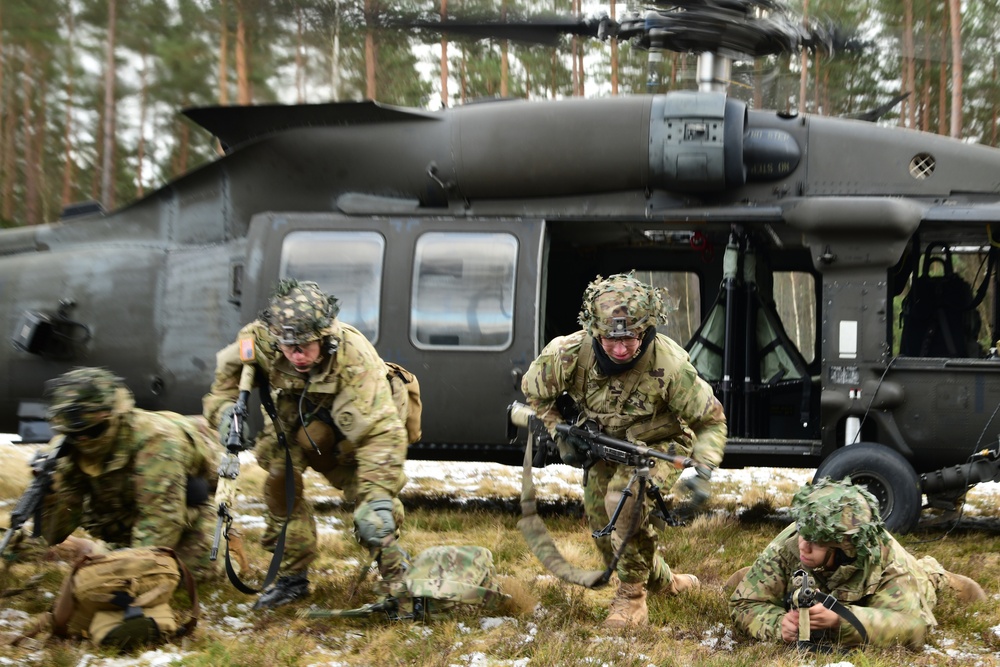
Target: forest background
x=90, y=90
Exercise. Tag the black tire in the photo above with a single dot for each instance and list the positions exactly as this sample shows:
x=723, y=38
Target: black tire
x=887, y=476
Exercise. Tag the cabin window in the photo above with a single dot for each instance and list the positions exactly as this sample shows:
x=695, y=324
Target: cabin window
x=345, y=264
x=684, y=290
x=463, y=290
x=795, y=301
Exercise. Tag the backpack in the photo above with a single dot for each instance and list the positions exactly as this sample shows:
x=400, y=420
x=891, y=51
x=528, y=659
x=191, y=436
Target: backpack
x=406, y=396
x=940, y=317
x=123, y=598
x=440, y=579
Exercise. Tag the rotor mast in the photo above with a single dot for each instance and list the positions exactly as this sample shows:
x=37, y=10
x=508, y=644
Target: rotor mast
x=714, y=72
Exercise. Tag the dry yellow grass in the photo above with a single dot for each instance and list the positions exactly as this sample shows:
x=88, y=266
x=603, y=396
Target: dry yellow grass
x=543, y=621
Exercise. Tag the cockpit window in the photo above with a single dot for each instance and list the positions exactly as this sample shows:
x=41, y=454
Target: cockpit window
x=463, y=290
x=345, y=264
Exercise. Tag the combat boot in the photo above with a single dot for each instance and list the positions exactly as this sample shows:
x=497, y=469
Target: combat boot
x=682, y=582
x=965, y=589
x=628, y=608
x=285, y=589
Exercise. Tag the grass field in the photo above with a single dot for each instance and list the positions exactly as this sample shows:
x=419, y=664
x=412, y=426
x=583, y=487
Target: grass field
x=544, y=621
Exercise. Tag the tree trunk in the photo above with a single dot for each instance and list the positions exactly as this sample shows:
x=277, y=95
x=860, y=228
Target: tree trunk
x=243, y=93
x=9, y=156
x=38, y=211
x=108, y=158
x=943, y=88
x=955, y=14
x=504, y=58
x=803, y=63
x=66, y=192
x=223, y=54
x=28, y=130
x=614, y=56
x=141, y=148
x=370, y=64
x=300, y=66
x=908, y=118
x=444, y=57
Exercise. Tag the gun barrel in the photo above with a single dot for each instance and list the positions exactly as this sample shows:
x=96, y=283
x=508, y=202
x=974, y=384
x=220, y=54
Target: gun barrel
x=223, y=514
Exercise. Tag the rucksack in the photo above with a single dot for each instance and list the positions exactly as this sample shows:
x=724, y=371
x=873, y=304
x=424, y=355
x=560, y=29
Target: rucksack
x=406, y=396
x=123, y=598
x=439, y=580
x=940, y=317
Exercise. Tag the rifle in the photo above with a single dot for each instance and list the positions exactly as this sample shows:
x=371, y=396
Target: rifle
x=606, y=448
x=30, y=504
x=229, y=466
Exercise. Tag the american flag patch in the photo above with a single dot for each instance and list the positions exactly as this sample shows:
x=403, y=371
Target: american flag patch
x=246, y=350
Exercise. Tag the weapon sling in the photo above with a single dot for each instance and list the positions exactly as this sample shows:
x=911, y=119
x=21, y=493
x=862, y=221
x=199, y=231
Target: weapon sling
x=264, y=387
x=834, y=605
x=541, y=543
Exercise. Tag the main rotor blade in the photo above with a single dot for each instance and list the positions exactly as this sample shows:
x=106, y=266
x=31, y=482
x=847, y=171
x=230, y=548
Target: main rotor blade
x=546, y=30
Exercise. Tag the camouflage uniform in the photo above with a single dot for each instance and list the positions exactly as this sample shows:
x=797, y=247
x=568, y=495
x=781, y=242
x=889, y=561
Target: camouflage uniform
x=348, y=412
x=659, y=401
x=146, y=480
x=891, y=592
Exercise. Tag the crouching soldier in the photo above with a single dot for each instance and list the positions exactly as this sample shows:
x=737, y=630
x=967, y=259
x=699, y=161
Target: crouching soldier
x=129, y=477
x=334, y=403
x=861, y=586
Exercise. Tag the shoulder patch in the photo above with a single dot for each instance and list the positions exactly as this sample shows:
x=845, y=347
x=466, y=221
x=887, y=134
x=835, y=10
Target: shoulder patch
x=247, y=352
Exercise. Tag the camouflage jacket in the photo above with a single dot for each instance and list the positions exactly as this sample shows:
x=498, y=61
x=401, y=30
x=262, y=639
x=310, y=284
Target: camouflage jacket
x=892, y=597
x=661, y=399
x=139, y=498
x=350, y=390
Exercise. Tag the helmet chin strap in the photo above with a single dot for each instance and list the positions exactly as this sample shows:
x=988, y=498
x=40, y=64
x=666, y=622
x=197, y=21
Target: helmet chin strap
x=609, y=367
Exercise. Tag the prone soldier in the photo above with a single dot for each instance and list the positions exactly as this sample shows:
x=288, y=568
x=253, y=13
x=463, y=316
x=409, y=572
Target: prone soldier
x=865, y=587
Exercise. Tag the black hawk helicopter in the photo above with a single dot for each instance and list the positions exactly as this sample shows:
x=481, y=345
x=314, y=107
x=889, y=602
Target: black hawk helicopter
x=460, y=242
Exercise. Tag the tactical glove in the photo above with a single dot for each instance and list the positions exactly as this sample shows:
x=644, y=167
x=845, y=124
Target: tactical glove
x=573, y=450
x=700, y=486
x=373, y=523
x=226, y=424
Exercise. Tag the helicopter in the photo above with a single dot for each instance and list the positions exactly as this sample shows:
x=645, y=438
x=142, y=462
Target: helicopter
x=460, y=241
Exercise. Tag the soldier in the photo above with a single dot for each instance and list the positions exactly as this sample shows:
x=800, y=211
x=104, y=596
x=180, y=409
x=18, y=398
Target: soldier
x=639, y=385
x=839, y=542
x=130, y=477
x=334, y=402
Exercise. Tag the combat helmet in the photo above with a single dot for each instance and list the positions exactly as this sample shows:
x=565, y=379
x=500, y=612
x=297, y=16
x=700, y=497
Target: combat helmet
x=83, y=405
x=622, y=306
x=300, y=312
x=839, y=513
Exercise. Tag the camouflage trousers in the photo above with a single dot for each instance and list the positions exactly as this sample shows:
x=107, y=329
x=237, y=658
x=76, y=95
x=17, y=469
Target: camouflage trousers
x=639, y=562
x=300, y=537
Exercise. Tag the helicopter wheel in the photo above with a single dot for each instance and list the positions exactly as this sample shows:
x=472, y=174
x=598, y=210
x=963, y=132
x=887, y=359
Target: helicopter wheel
x=885, y=474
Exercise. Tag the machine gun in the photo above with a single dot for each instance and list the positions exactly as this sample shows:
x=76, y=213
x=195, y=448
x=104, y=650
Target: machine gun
x=606, y=448
x=30, y=503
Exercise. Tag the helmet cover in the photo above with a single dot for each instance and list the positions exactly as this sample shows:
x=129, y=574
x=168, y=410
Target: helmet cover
x=300, y=312
x=83, y=398
x=839, y=513
x=622, y=306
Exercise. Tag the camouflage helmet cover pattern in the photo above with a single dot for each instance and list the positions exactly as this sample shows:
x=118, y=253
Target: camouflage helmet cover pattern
x=839, y=513
x=300, y=312
x=85, y=397
x=622, y=306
